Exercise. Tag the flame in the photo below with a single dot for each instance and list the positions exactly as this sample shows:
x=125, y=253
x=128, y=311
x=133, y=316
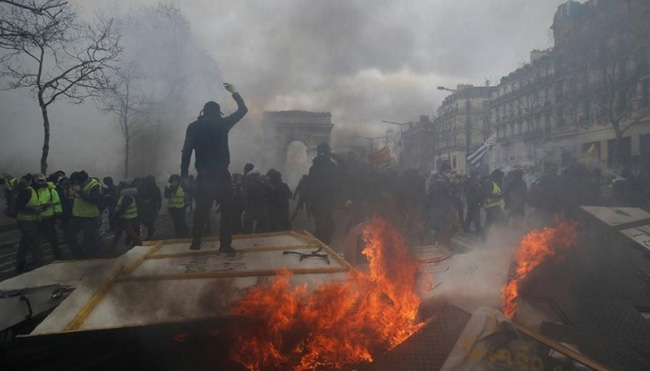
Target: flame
x=339, y=323
x=535, y=248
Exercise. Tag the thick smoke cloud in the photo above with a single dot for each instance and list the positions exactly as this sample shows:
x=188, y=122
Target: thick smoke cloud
x=364, y=61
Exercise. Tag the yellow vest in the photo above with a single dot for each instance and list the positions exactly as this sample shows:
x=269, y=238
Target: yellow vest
x=82, y=208
x=10, y=185
x=31, y=211
x=495, y=199
x=177, y=201
x=49, y=198
x=132, y=210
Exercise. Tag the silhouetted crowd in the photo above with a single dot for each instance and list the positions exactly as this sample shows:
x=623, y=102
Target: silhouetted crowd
x=437, y=206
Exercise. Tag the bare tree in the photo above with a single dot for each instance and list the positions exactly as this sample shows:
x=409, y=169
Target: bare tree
x=10, y=30
x=131, y=107
x=53, y=53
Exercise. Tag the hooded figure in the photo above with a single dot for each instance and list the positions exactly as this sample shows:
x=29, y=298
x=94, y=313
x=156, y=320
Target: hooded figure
x=207, y=137
x=256, y=192
x=325, y=192
x=279, y=202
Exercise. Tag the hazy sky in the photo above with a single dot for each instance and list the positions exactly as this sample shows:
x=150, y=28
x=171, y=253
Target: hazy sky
x=364, y=61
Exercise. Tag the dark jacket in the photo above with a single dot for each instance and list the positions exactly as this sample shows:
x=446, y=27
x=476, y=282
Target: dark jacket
x=515, y=195
x=208, y=138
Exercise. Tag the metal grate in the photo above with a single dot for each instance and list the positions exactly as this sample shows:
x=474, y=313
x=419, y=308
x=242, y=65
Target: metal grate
x=428, y=348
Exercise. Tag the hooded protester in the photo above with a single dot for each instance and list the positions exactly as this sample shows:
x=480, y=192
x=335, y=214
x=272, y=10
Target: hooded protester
x=515, y=195
x=325, y=192
x=256, y=193
x=279, y=202
x=149, y=204
x=442, y=217
x=473, y=199
x=208, y=138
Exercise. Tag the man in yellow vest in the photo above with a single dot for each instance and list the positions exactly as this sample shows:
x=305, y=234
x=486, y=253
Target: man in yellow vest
x=178, y=197
x=50, y=212
x=28, y=212
x=10, y=192
x=126, y=215
x=493, y=204
x=86, y=217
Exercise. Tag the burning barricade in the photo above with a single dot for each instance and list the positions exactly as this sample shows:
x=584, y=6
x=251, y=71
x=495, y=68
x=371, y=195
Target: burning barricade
x=339, y=323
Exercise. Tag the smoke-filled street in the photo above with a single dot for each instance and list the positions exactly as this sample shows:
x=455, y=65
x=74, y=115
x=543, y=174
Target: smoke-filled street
x=316, y=185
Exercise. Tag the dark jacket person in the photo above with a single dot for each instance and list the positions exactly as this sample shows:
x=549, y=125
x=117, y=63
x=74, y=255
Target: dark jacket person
x=208, y=138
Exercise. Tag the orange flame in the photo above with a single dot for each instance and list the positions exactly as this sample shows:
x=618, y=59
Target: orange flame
x=339, y=323
x=534, y=249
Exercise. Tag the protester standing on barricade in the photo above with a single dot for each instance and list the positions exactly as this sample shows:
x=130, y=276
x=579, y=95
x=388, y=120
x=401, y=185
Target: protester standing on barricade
x=208, y=138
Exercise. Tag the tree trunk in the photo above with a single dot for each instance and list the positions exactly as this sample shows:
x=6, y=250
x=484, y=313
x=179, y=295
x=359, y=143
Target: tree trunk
x=126, y=159
x=618, y=141
x=46, y=135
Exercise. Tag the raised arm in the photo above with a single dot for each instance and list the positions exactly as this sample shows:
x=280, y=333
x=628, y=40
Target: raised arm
x=234, y=118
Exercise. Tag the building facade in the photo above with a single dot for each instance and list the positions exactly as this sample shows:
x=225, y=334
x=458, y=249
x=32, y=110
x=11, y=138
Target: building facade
x=417, y=145
x=459, y=126
x=588, y=94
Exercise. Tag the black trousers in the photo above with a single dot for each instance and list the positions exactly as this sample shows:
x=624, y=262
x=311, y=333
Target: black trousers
x=213, y=185
x=147, y=217
x=29, y=242
x=256, y=221
x=473, y=217
x=324, y=221
x=458, y=205
x=47, y=229
x=178, y=219
x=92, y=240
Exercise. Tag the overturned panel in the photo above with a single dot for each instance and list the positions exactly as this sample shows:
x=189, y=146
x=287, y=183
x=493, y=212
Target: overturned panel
x=167, y=282
x=618, y=217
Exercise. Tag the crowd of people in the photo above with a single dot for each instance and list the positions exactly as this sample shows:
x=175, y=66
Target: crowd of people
x=437, y=206
x=45, y=206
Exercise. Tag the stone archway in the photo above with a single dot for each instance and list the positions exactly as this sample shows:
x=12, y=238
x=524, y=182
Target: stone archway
x=281, y=128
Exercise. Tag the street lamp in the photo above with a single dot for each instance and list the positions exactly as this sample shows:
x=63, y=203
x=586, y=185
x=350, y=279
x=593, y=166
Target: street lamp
x=468, y=120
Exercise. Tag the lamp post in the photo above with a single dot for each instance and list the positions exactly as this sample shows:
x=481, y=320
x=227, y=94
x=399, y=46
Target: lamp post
x=468, y=120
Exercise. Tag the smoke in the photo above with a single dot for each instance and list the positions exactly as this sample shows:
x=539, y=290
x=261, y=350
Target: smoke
x=475, y=278
x=362, y=61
